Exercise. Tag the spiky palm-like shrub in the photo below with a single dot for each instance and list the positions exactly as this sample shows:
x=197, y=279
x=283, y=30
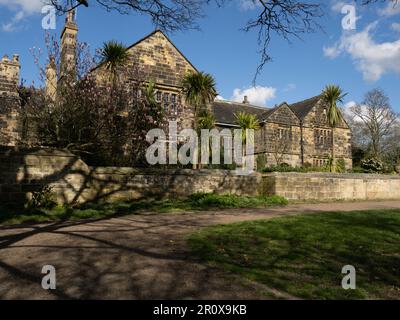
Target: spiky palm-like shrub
x=114, y=55
x=332, y=95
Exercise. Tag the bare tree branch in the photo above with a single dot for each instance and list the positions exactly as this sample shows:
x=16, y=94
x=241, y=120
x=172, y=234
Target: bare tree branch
x=285, y=18
x=366, y=2
x=169, y=15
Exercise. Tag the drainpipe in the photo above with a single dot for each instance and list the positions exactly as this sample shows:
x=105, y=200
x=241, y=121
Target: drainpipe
x=301, y=143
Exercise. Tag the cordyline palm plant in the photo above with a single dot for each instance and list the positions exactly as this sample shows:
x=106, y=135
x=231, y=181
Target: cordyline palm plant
x=114, y=55
x=246, y=121
x=205, y=120
x=200, y=91
x=150, y=95
x=332, y=95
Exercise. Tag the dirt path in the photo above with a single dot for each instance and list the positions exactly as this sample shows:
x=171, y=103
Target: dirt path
x=131, y=257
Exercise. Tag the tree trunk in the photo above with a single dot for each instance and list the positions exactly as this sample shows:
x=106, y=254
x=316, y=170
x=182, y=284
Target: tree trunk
x=333, y=150
x=196, y=150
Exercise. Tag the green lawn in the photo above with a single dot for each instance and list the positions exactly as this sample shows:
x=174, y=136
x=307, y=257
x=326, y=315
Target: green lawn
x=196, y=202
x=303, y=255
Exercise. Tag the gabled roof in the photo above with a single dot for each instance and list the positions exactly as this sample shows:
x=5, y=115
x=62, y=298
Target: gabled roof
x=269, y=112
x=169, y=40
x=302, y=108
x=224, y=111
x=150, y=35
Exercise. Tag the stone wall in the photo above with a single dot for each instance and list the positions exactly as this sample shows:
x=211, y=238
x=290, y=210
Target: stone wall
x=9, y=132
x=283, y=138
x=328, y=186
x=162, y=61
x=24, y=172
x=9, y=99
x=158, y=60
x=9, y=76
x=317, y=138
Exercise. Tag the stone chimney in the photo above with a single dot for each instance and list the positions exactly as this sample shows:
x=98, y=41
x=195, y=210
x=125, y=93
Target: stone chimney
x=68, y=46
x=51, y=79
x=246, y=100
x=9, y=75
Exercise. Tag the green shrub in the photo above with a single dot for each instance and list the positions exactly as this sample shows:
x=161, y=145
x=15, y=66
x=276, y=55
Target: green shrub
x=213, y=200
x=261, y=162
x=39, y=210
x=329, y=166
x=372, y=165
x=397, y=167
x=42, y=199
x=340, y=166
x=283, y=169
x=304, y=169
x=358, y=170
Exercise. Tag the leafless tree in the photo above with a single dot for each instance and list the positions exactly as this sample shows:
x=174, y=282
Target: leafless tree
x=100, y=122
x=377, y=117
x=392, y=143
x=280, y=144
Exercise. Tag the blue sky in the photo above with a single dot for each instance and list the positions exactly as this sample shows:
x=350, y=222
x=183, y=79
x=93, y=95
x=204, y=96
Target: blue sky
x=357, y=60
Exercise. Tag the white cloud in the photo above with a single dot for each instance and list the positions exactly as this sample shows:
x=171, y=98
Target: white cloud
x=332, y=52
x=349, y=114
x=391, y=9
x=371, y=58
x=248, y=5
x=347, y=108
x=12, y=25
x=256, y=95
x=23, y=8
x=290, y=87
x=27, y=6
x=338, y=5
x=395, y=26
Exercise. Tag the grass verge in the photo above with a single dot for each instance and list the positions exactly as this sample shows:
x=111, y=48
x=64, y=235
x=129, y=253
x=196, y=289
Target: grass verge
x=196, y=202
x=303, y=256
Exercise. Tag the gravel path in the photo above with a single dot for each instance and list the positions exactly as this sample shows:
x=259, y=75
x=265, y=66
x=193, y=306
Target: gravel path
x=131, y=257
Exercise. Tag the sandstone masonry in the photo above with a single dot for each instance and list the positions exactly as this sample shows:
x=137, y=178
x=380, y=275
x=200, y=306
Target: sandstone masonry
x=296, y=134
x=22, y=173
x=9, y=99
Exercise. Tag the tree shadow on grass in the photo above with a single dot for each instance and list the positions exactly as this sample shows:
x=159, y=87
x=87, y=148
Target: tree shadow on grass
x=127, y=257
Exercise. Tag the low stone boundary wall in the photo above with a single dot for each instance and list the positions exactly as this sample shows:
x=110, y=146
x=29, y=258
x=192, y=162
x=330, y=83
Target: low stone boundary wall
x=330, y=186
x=24, y=172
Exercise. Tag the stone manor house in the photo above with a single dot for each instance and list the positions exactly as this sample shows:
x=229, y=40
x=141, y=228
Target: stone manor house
x=296, y=134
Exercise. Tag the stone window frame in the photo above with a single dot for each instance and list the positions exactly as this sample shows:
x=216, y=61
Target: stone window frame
x=166, y=101
x=284, y=132
x=322, y=137
x=170, y=101
x=318, y=162
x=174, y=103
x=159, y=96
